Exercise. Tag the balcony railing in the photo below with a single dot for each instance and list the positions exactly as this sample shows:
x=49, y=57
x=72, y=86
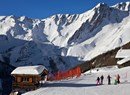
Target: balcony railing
x=25, y=85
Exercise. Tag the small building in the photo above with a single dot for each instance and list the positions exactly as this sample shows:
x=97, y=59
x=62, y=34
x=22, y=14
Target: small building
x=28, y=77
x=123, y=57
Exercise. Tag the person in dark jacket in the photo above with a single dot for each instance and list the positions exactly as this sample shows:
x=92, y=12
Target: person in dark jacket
x=109, y=79
x=102, y=77
x=98, y=81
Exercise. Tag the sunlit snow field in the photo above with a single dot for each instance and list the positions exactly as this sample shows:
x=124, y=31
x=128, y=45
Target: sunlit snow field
x=86, y=84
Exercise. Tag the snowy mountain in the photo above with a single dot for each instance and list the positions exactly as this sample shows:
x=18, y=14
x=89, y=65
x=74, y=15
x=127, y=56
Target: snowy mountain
x=63, y=40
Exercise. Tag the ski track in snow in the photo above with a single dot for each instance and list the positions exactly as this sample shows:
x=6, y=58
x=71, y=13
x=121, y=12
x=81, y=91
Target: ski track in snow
x=85, y=84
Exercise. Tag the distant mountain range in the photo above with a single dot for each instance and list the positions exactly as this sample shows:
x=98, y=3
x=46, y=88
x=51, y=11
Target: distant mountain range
x=63, y=41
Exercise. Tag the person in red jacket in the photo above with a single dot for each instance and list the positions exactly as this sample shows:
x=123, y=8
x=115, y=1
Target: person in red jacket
x=118, y=78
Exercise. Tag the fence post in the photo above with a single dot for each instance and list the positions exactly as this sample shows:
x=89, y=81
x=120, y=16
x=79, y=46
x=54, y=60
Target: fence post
x=58, y=75
x=78, y=71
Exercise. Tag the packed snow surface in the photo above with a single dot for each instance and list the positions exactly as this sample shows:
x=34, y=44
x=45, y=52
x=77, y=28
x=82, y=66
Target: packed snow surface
x=85, y=84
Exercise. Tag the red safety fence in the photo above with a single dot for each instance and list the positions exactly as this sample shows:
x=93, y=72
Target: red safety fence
x=60, y=75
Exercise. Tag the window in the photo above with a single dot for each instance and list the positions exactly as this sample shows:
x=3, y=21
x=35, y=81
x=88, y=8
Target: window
x=18, y=79
x=25, y=79
x=30, y=80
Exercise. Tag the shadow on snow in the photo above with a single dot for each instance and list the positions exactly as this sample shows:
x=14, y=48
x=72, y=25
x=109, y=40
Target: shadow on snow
x=67, y=85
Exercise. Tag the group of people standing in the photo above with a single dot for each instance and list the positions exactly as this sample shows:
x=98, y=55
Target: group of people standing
x=101, y=78
x=98, y=80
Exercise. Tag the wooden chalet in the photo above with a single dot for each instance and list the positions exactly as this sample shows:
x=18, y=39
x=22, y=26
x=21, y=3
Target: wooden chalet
x=28, y=77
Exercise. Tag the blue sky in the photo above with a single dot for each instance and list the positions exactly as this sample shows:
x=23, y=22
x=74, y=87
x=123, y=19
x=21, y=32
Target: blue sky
x=45, y=8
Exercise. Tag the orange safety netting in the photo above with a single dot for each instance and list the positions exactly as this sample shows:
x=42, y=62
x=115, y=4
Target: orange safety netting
x=67, y=74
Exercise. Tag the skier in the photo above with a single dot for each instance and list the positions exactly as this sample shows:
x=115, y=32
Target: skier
x=115, y=80
x=118, y=78
x=98, y=80
x=109, y=79
x=102, y=77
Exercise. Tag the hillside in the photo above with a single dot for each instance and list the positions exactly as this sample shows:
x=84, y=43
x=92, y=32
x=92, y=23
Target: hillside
x=105, y=59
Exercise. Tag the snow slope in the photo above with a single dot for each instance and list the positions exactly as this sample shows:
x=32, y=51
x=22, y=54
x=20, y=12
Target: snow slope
x=63, y=40
x=85, y=85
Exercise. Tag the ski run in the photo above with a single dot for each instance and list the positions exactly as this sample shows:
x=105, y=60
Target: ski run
x=86, y=84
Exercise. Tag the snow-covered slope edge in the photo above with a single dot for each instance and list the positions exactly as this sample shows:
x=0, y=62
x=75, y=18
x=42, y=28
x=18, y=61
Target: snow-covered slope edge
x=86, y=84
x=63, y=41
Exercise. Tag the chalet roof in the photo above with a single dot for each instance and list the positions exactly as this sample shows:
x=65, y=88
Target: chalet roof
x=123, y=53
x=123, y=60
x=29, y=70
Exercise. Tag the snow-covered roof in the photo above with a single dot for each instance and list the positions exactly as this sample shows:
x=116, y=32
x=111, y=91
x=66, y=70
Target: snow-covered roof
x=123, y=53
x=29, y=70
x=123, y=60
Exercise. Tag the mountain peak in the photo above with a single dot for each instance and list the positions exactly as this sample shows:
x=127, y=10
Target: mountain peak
x=73, y=38
x=124, y=6
x=101, y=5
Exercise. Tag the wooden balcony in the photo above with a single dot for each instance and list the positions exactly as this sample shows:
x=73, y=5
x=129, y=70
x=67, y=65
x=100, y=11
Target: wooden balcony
x=25, y=85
